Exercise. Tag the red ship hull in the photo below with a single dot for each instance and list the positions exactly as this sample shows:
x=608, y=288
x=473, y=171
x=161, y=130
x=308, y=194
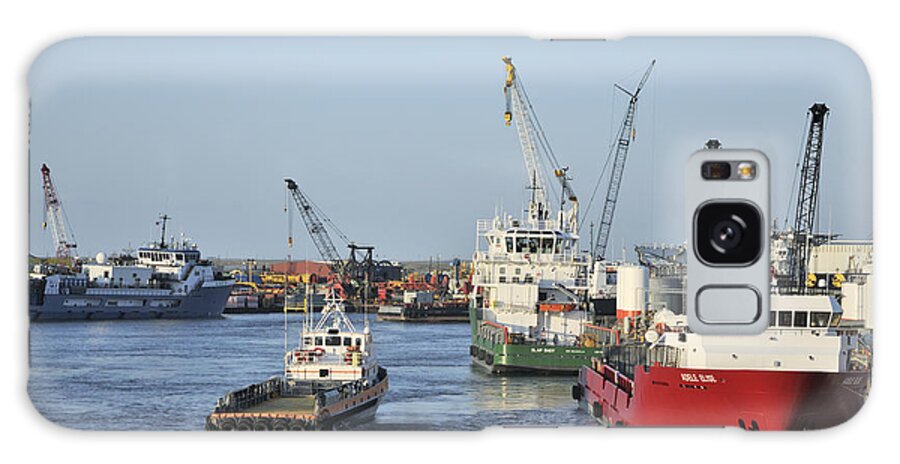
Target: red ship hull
x=750, y=399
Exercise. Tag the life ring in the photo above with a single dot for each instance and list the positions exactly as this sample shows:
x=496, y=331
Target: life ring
x=319, y=351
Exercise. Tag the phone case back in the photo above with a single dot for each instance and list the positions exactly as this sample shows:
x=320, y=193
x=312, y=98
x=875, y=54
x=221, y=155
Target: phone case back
x=436, y=233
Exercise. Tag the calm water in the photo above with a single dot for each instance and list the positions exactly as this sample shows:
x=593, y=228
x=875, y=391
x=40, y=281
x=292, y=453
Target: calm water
x=155, y=375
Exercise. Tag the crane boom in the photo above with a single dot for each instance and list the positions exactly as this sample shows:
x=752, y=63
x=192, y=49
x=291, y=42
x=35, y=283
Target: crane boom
x=517, y=109
x=534, y=142
x=316, y=228
x=63, y=240
x=807, y=196
x=625, y=137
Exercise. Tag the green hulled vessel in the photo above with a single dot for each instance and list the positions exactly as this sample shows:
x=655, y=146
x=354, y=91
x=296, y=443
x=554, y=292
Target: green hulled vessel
x=530, y=300
x=499, y=355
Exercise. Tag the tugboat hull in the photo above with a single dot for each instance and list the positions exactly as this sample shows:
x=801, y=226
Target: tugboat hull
x=263, y=406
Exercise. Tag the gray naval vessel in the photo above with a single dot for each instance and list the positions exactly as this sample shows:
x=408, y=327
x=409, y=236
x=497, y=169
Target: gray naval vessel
x=161, y=281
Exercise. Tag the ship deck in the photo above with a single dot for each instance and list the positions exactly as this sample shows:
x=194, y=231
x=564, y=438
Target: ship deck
x=284, y=405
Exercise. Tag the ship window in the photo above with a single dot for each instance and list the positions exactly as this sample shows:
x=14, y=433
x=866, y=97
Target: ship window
x=784, y=318
x=800, y=318
x=106, y=274
x=771, y=318
x=547, y=245
x=502, y=279
x=307, y=341
x=509, y=244
x=358, y=341
x=533, y=244
x=323, y=372
x=515, y=280
x=318, y=341
x=612, y=278
x=521, y=244
x=348, y=341
x=518, y=270
x=333, y=340
x=819, y=319
x=503, y=270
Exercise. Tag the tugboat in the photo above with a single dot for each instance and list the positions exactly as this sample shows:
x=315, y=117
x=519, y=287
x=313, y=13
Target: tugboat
x=806, y=371
x=332, y=379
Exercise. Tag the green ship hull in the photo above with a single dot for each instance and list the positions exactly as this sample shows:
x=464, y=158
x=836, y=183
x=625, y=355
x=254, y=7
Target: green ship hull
x=498, y=356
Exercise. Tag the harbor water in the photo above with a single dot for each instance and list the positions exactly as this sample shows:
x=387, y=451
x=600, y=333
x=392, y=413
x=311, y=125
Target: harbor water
x=167, y=375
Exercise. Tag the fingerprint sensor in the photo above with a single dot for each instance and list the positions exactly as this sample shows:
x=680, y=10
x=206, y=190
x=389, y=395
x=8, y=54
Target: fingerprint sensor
x=729, y=304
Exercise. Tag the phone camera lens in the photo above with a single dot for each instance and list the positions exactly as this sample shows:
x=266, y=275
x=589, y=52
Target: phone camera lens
x=728, y=233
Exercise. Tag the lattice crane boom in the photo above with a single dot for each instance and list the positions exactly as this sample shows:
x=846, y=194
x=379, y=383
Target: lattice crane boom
x=626, y=135
x=534, y=143
x=517, y=109
x=316, y=228
x=807, y=196
x=63, y=239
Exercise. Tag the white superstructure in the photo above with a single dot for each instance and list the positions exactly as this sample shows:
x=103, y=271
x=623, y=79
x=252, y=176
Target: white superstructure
x=331, y=352
x=804, y=334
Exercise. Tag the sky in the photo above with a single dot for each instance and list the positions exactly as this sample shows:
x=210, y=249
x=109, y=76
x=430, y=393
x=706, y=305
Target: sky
x=401, y=141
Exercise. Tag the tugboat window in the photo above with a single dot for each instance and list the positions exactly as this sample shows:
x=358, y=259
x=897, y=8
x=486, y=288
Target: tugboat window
x=318, y=341
x=333, y=341
x=348, y=341
x=547, y=245
x=521, y=244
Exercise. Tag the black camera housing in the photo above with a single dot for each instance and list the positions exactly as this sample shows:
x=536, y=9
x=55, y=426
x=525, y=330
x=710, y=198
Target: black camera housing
x=728, y=233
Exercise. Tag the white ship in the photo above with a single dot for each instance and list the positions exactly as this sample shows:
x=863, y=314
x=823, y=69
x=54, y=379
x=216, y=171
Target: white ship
x=161, y=282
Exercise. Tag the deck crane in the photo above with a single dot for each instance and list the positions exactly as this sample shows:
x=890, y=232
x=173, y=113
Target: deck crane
x=807, y=198
x=625, y=137
x=63, y=239
x=534, y=142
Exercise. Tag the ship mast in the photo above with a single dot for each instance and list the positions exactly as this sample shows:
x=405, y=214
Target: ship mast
x=163, y=219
